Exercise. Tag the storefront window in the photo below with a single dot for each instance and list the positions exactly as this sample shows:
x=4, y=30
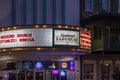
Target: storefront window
x=88, y=71
x=97, y=32
x=105, y=71
x=114, y=34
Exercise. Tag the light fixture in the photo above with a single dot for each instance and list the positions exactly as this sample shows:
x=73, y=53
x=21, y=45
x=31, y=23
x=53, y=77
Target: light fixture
x=14, y=27
x=8, y=28
x=38, y=48
x=4, y=50
x=44, y=26
x=3, y=29
x=36, y=26
x=59, y=26
x=77, y=28
x=72, y=27
x=66, y=26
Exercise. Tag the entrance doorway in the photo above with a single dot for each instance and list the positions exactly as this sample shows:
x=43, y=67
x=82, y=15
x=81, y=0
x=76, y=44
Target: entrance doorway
x=38, y=75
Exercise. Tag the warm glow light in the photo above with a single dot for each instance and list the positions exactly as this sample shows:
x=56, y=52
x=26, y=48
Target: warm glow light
x=78, y=49
x=77, y=28
x=8, y=28
x=53, y=48
x=73, y=49
x=16, y=49
x=59, y=26
x=4, y=50
x=44, y=26
x=38, y=48
x=36, y=26
x=72, y=27
x=3, y=29
x=14, y=27
x=66, y=26
x=85, y=29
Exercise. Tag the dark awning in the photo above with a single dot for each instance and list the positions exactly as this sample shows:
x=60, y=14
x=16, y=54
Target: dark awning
x=101, y=16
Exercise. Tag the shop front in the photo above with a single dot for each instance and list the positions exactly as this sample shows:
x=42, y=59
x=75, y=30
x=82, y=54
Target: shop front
x=43, y=52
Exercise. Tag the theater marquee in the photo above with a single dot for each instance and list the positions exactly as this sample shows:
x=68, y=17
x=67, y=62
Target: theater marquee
x=45, y=38
x=66, y=37
x=26, y=38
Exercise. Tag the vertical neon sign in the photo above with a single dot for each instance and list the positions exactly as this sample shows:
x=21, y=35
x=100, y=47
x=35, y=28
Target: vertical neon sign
x=72, y=65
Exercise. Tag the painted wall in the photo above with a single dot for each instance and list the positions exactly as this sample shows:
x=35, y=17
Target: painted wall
x=26, y=12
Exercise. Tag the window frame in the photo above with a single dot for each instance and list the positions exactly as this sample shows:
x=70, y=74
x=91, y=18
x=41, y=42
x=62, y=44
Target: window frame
x=88, y=5
x=118, y=6
x=105, y=5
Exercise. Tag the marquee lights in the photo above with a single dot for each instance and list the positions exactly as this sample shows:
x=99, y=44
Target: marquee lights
x=75, y=36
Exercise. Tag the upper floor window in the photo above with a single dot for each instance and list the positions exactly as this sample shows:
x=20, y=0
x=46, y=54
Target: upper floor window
x=106, y=5
x=88, y=5
x=118, y=6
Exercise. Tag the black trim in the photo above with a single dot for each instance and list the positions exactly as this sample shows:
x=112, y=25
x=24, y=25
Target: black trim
x=100, y=16
x=106, y=52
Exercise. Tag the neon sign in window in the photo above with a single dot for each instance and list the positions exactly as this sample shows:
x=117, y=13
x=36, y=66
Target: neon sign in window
x=72, y=65
x=64, y=65
x=38, y=65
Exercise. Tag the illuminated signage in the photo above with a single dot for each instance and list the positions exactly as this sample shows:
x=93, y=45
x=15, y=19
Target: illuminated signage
x=64, y=65
x=66, y=37
x=39, y=65
x=26, y=38
x=62, y=73
x=85, y=40
x=71, y=65
x=55, y=72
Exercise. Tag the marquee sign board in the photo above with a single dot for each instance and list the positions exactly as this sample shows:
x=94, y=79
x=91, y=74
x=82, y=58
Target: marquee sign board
x=26, y=38
x=66, y=37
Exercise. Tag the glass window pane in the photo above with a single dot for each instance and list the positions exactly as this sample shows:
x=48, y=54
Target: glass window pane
x=106, y=5
x=88, y=5
x=88, y=71
x=118, y=6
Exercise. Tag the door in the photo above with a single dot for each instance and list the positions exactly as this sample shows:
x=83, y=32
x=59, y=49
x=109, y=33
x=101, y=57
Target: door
x=38, y=75
x=63, y=75
x=12, y=76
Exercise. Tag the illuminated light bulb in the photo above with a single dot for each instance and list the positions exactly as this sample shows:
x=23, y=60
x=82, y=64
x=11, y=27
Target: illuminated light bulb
x=3, y=29
x=4, y=50
x=36, y=26
x=8, y=28
x=77, y=28
x=44, y=26
x=66, y=26
x=14, y=27
x=38, y=48
x=72, y=27
x=73, y=49
x=59, y=26
x=53, y=48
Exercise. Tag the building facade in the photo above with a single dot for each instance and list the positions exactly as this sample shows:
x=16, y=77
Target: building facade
x=42, y=40
x=103, y=17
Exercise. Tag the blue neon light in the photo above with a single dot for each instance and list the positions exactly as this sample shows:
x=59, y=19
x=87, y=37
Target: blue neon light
x=72, y=65
x=39, y=65
x=62, y=73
